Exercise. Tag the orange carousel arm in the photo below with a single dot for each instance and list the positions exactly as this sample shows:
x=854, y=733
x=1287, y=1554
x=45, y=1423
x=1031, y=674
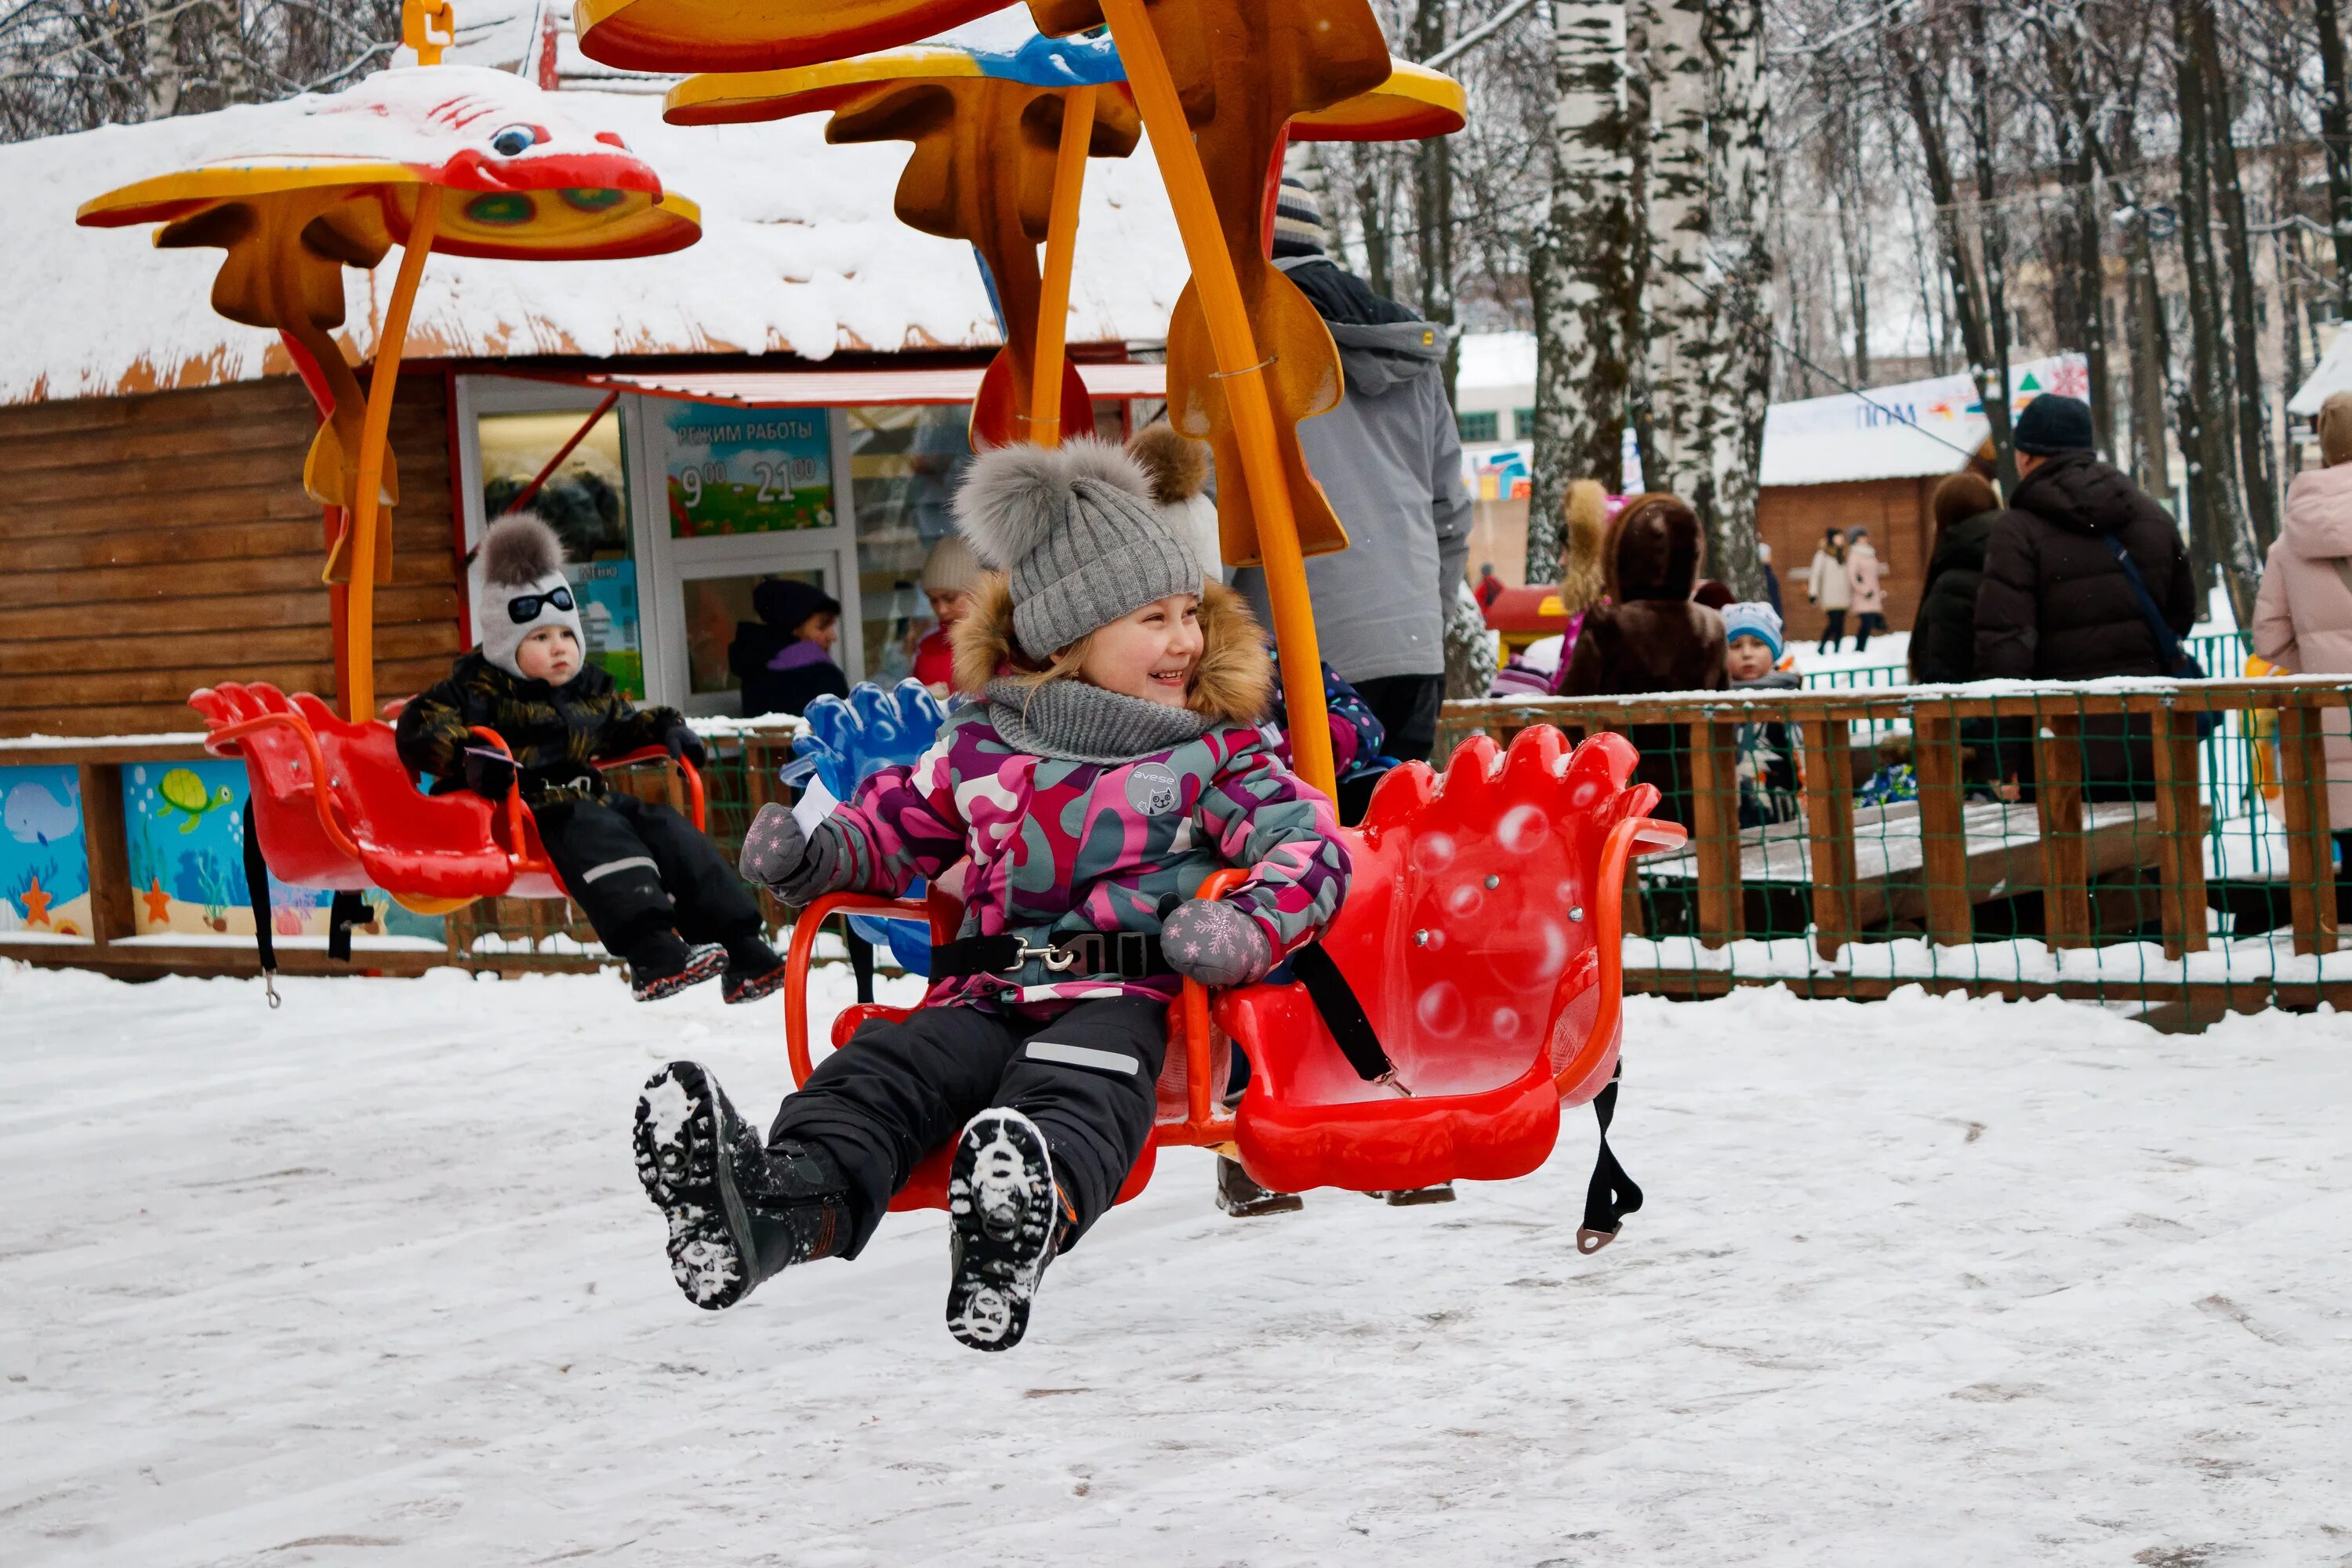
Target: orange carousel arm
x=1061, y=241
x=1239, y=367
x=367, y=513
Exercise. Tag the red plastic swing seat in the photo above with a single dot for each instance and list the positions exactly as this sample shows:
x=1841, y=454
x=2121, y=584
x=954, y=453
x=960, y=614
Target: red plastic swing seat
x=334, y=806
x=1481, y=934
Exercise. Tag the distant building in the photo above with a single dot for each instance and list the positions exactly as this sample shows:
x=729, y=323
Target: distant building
x=1855, y=460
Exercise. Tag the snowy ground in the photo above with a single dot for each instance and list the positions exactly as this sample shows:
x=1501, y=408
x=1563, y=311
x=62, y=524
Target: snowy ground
x=369, y=1280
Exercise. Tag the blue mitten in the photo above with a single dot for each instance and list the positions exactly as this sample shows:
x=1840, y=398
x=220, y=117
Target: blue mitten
x=1215, y=943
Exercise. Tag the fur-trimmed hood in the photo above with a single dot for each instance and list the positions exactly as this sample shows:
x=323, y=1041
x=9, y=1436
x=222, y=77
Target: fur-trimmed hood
x=1233, y=685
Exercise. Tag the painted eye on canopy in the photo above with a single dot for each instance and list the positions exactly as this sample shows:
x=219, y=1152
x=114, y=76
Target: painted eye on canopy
x=514, y=140
x=501, y=209
x=593, y=200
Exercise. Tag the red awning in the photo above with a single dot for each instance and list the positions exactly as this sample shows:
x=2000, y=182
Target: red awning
x=839, y=388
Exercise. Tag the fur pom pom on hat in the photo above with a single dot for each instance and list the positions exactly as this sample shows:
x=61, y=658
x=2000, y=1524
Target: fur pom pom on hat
x=1075, y=531
x=1178, y=467
x=519, y=570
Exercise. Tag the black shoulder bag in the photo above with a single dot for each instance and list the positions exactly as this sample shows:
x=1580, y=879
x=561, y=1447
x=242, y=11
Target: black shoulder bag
x=2178, y=662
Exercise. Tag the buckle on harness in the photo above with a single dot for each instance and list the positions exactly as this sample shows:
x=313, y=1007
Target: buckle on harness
x=1058, y=959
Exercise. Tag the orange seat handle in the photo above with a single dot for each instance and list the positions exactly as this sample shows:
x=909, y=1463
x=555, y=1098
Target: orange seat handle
x=222, y=742
x=803, y=949
x=523, y=863
x=1635, y=836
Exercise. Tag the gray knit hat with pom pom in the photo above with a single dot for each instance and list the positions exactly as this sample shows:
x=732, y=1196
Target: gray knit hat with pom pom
x=1075, y=531
x=519, y=570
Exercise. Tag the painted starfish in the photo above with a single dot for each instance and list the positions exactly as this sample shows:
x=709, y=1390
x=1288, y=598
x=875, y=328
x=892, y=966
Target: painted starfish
x=158, y=903
x=36, y=902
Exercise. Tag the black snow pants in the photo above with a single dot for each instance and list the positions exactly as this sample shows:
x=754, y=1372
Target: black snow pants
x=897, y=1091
x=636, y=868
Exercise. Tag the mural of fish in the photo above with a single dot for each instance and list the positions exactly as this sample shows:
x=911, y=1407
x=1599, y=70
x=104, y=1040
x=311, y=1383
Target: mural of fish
x=35, y=816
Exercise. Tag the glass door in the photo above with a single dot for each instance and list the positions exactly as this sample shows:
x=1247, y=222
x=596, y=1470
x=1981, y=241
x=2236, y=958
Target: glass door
x=564, y=453
x=735, y=497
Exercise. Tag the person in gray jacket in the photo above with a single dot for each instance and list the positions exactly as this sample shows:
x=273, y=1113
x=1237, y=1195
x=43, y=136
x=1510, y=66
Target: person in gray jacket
x=1390, y=460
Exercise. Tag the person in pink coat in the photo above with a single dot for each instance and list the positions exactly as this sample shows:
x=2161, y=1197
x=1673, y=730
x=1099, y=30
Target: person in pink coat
x=2303, y=617
x=1862, y=577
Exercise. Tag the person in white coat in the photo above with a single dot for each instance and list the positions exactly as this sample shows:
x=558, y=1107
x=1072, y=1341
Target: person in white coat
x=2303, y=617
x=1826, y=585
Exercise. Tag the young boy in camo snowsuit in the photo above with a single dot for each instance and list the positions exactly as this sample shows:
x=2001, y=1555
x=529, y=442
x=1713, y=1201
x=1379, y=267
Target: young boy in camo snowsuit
x=660, y=895
x=1093, y=790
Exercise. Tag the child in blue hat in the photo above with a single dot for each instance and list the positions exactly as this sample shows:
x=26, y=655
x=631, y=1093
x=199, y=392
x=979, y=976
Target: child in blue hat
x=1769, y=788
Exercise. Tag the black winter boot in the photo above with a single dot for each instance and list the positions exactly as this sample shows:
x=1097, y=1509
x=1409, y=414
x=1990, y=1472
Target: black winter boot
x=753, y=970
x=1239, y=1194
x=1005, y=1222
x=661, y=965
x=738, y=1212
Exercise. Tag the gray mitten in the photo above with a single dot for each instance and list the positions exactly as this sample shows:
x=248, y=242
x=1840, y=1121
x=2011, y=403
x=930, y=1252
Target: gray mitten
x=772, y=847
x=1215, y=943
x=797, y=868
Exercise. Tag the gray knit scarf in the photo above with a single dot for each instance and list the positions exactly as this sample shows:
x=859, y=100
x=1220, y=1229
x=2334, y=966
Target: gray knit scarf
x=1082, y=723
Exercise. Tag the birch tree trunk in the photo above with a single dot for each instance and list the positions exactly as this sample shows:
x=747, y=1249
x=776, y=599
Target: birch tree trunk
x=1677, y=293
x=1738, y=347
x=1433, y=178
x=161, y=80
x=1581, y=312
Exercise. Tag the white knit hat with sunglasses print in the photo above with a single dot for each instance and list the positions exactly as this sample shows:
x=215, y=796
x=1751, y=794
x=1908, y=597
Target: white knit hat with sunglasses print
x=519, y=588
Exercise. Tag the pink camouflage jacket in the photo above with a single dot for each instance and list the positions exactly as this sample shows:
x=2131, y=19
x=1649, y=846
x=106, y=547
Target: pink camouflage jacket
x=1060, y=848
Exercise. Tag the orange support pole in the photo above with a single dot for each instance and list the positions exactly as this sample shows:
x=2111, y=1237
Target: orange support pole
x=360, y=621
x=1239, y=367
x=1061, y=240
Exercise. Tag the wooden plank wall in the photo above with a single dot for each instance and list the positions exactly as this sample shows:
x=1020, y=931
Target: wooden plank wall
x=151, y=545
x=1793, y=518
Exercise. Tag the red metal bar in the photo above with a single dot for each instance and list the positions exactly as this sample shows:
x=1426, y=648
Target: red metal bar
x=804, y=948
x=1608, y=933
x=541, y=478
x=220, y=740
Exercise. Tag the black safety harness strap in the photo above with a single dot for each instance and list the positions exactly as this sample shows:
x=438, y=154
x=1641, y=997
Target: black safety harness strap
x=1335, y=999
x=350, y=908
x=1129, y=954
x=1137, y=955
x=256, y=892
x=1612, y=1195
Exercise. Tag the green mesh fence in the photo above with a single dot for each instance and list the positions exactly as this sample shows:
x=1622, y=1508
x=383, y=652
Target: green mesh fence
x=2148, y=844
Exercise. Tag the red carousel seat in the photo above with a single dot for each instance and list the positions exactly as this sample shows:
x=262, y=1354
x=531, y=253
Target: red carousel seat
x=927, y=1187
x=1481, y=935
x=334, y=806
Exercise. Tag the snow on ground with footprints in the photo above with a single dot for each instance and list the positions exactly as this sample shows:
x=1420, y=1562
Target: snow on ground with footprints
x=369, y=1279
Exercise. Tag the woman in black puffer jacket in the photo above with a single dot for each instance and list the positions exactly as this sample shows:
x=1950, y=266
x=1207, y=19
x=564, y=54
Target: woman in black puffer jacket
x=1944, y=635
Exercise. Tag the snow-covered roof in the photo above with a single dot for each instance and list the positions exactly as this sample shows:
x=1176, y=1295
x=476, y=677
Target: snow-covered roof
x=1917, y=428
x=2332, y=374
x=800, y=254
x=1909, y=431
x=1500, y=361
